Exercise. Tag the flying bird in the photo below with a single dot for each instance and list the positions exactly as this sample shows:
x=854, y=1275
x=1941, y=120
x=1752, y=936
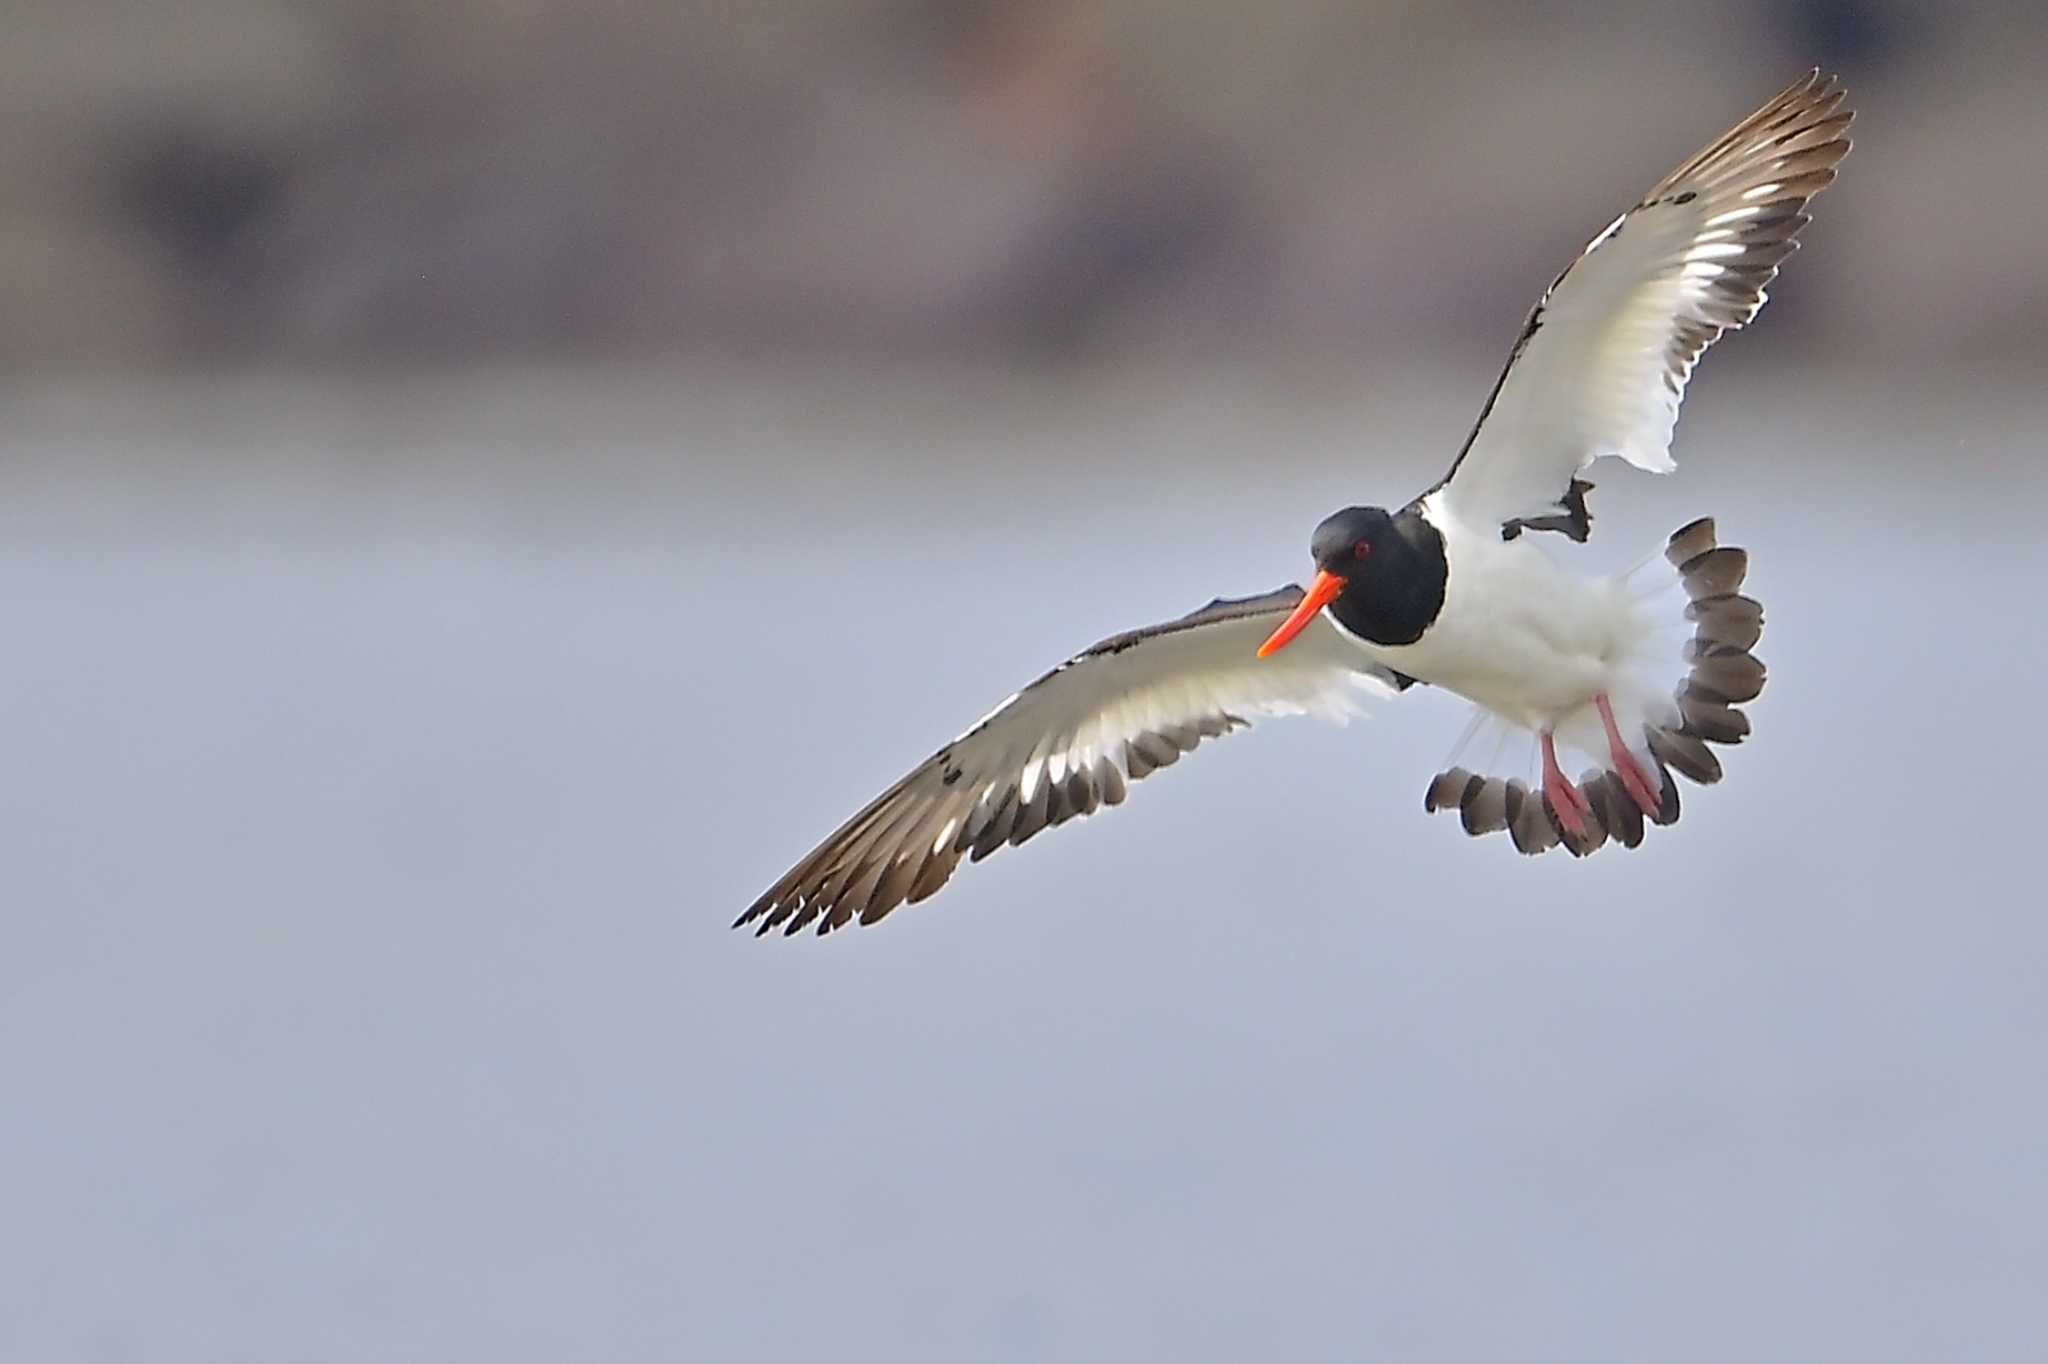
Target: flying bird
x=1452, y=590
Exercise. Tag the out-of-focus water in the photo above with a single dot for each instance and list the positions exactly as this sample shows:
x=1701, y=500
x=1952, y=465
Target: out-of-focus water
x=384, y=760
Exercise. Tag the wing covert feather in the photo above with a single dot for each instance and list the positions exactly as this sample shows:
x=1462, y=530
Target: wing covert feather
x=1064, y=747
x=1602, y=362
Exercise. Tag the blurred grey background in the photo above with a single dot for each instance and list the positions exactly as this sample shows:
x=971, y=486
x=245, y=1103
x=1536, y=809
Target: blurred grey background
x=483, y=488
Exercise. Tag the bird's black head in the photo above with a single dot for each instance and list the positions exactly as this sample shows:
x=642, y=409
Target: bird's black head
x=1381, y=574
x=1347, y=542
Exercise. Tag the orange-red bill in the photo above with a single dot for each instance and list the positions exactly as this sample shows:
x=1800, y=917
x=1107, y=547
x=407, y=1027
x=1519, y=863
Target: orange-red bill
x=1320, y=593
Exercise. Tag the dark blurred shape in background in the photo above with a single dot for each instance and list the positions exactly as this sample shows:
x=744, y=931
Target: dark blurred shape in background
x=230, y=181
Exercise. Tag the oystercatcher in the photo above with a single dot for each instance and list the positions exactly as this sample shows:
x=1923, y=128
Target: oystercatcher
x=1451, y=590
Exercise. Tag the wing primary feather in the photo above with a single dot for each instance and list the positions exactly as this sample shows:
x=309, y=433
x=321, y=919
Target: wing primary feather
x=1062, y=749
x=1601, y=363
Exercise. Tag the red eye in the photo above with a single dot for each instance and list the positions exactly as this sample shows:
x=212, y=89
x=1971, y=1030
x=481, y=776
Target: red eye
x=1361, y=549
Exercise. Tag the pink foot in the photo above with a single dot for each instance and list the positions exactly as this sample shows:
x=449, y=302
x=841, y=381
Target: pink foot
x=1566, y=800
x=1634, y=780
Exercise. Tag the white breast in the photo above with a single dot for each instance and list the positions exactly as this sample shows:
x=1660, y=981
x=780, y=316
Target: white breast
x=1518, y=634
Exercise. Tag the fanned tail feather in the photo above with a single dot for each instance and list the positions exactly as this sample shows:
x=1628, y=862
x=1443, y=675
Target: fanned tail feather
x=1722, y=674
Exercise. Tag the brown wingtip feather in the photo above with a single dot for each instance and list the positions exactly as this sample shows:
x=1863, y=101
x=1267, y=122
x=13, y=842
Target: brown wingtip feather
x=1805, y=117
x=988, y=790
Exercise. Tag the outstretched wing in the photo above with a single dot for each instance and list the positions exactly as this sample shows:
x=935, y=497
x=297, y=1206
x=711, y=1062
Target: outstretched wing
x=1066, y=745
x=1602, y=363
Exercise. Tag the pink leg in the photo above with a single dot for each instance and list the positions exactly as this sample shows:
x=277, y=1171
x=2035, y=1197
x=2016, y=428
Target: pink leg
x=1567, y=800
x=1634, y=780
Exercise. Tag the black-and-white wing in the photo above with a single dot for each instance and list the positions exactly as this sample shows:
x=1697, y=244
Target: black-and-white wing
x=1066, y=745
x=1602, y=362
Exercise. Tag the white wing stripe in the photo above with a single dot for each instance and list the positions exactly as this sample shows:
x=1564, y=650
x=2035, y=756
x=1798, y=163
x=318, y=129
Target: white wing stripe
x=1603, y=361
x=1063, y=748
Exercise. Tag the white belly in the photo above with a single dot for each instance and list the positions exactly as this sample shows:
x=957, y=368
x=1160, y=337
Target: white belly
x=1522, y=637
